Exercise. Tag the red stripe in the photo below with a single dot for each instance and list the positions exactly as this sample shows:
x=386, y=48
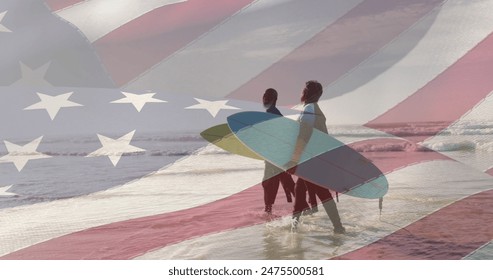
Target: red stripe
x=337, y=49
x=450, y=233
x=128, y=239
x=449, y=96
x=142, y=43
x=56, y=5
x=490, y=171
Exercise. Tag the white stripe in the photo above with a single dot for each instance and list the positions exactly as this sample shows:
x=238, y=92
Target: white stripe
x=455, y=29
x=472, y=131
x=96, y=18
x=415, y=192
x=242, y=47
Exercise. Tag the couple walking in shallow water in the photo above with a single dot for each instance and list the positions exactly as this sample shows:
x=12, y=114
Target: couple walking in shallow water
x=310, y=118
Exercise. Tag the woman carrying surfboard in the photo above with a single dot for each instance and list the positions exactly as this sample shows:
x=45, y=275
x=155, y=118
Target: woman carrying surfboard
x=312, y=117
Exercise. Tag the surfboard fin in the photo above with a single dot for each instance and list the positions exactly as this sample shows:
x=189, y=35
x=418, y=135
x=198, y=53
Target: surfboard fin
x=380, y=205
x=337, y=196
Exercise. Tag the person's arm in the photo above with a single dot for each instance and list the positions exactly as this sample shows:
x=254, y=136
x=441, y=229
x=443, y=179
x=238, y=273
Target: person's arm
x=307, y=121
x=301, y=141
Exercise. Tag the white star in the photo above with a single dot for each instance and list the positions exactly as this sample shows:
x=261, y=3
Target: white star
x=213, y=107
x=3, y=28
x=20, y=155
x=33, y=77
x=53, y=104
x=5, y=191
x=115, y=148
x=138, y=100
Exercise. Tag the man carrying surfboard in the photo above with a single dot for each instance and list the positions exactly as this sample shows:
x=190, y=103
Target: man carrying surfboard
x=312, y=117
x=272, y=174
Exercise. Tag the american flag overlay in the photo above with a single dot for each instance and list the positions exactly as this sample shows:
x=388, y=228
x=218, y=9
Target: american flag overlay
x=102, y=103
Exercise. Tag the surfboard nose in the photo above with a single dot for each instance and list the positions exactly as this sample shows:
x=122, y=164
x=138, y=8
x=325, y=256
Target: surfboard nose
x=243, y=120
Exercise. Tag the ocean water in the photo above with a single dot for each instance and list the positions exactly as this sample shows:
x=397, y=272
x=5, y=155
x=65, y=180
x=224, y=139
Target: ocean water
x=69, y=172
x=416, y=191
x=181, y=172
